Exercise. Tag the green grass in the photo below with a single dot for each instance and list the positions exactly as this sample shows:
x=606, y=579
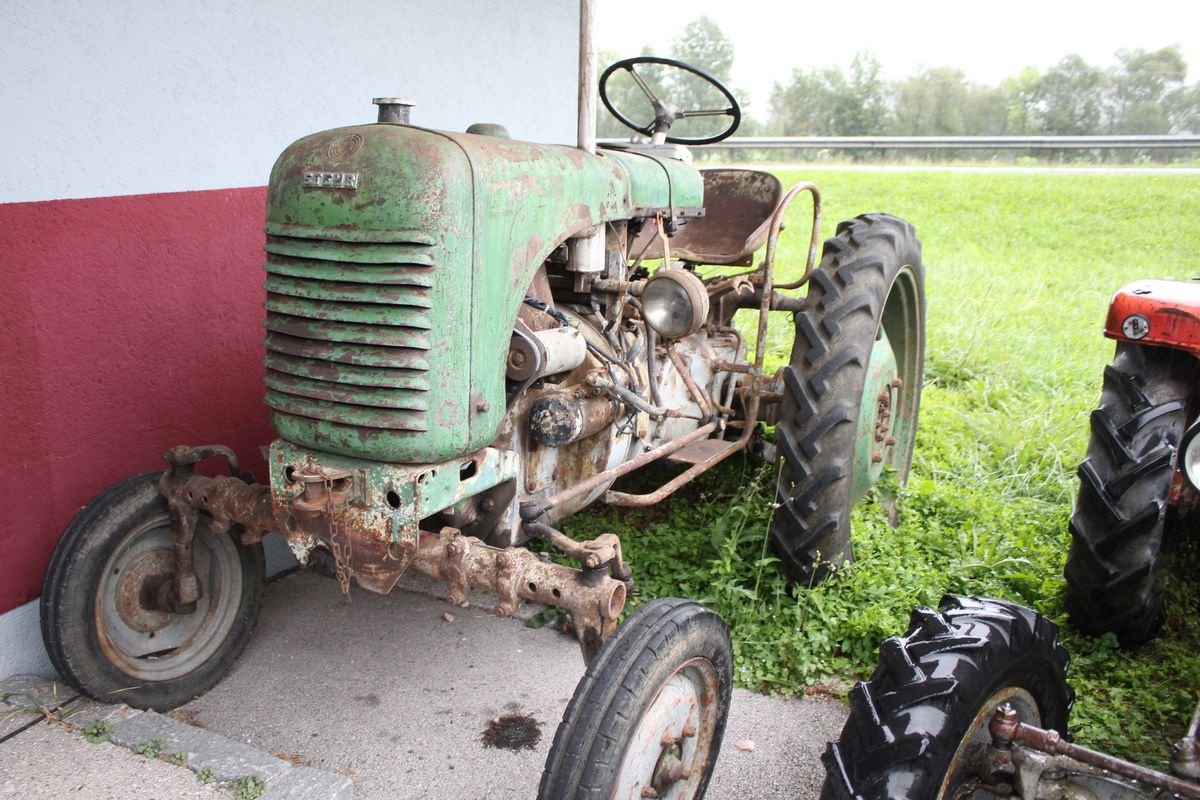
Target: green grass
x=1020, y=270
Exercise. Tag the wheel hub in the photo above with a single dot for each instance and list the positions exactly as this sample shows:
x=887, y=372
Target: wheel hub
x=876, y=438
x=138, y=595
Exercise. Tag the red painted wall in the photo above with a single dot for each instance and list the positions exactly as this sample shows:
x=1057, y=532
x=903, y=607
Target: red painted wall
x=127, y=325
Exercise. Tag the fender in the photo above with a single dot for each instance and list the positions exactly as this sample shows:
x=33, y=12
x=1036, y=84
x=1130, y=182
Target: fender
x=1156, y=312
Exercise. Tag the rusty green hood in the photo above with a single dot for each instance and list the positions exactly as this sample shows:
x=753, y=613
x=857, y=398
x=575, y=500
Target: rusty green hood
x=397, y=259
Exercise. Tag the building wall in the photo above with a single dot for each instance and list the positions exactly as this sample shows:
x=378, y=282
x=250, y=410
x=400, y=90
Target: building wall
x=138, y=136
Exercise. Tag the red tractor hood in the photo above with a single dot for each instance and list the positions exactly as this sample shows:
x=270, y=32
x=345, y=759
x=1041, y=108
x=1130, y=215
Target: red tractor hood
x=1165, y=313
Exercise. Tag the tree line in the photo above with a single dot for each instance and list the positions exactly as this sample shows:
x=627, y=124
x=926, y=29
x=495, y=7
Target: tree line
x=1144, y=92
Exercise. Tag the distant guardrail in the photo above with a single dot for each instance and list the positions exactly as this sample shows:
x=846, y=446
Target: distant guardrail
x=959, y=142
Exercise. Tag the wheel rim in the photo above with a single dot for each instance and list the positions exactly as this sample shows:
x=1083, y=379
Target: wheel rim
x=155, y=645
x=668, y=754
x=969, y=760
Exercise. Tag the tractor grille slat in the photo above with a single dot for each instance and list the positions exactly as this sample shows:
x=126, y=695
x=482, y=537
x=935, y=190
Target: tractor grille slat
x=353, y=253
x=360, y=355
x=346, y=414
x=348, y=374
x=380, y=274
x=354, y=395
x=370, y=313
x=338, y=291
x=386, y=335
x=348, y=326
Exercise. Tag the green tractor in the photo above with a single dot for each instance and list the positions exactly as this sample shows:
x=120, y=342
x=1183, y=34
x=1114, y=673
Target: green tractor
x=470, y=338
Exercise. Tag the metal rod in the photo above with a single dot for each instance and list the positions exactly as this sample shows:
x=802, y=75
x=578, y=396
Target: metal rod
x=586, y=124
x=1148, y=142
x=1004, y=727
x=814, y=240
x=534, y=509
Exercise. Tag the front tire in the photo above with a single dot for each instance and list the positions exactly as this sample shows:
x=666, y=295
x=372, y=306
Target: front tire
x=851, y=390
x=1124, y=490
x=918, y=728
x=102, y=627
x=649, y=713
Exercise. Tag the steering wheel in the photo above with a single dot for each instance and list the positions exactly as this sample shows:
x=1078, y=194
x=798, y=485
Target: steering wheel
x=664, y=112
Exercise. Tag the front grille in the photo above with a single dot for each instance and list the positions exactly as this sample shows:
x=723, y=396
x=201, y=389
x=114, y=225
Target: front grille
x=348, y=327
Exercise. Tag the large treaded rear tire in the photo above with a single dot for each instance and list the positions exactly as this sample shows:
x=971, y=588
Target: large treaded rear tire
x=868, y=293
x=666, y=672
x=1125, y=481
x=916, y=726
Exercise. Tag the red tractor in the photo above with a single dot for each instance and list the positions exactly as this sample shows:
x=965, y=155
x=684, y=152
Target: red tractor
x=1142, y=470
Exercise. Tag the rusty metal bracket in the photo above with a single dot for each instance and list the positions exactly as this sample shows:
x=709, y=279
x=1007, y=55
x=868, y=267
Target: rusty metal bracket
x=593, y=599
x=1007, y=731
x=226, y=499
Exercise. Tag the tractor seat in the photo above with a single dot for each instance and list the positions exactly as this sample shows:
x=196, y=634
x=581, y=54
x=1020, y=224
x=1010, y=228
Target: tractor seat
x=738, y=204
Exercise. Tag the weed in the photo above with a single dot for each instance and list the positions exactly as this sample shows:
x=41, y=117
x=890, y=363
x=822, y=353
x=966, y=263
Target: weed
x=178, y=758
x=151, y=748
x=248, y=788
x=206, y=775
x=97, y=732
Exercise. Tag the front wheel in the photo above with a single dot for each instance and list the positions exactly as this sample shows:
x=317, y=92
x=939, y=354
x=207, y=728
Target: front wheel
x=851, y=390
x=919, y=727
x=104, y=625
x=647, y=718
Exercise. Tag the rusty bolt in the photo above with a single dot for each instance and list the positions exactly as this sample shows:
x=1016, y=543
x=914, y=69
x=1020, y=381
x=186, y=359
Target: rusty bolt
x=649, y=791
x=668, y=740
x=689, y=730
x=876, y=458
x=487, y=504
x=896, y=383
x=1003, y=726
x=884, y=396
x=889, y=441
x=482, y=406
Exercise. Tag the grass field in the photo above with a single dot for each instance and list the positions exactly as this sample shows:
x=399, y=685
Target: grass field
x=1019, y=271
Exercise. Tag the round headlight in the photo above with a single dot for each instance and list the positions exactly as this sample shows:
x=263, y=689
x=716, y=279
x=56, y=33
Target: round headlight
x=675, y=303
x=1189, y=456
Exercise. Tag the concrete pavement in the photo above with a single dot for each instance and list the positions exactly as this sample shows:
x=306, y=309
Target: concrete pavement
x=393, y=693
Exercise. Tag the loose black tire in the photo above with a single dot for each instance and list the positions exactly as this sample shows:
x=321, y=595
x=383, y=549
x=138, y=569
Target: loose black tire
x=916, y=726
x=112, y=645
x=1118, y=523
x=667, y=667
x=870, y=280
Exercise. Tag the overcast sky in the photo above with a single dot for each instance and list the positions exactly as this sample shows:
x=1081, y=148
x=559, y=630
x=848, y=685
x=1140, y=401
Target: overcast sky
x=990, y=40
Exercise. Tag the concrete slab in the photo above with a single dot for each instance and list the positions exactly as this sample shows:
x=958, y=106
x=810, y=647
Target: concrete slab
x=385, y=690
x=49, y=762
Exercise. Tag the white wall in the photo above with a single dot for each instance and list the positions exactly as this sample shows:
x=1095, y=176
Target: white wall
x=142, y=96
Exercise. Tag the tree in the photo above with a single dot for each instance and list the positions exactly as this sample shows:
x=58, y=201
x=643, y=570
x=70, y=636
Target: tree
x=931, y=103
x=1070, y=98
x=827, y=102
x=1021, y=91
x=1183, y=109
x=701, y=44
x=1140, y=88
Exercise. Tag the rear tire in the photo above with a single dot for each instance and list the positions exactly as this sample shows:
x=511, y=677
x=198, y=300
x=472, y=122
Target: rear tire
x=102, y=629
x=863, y=325
x=917, y=727
x=655, y=698
x=1125, y=482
